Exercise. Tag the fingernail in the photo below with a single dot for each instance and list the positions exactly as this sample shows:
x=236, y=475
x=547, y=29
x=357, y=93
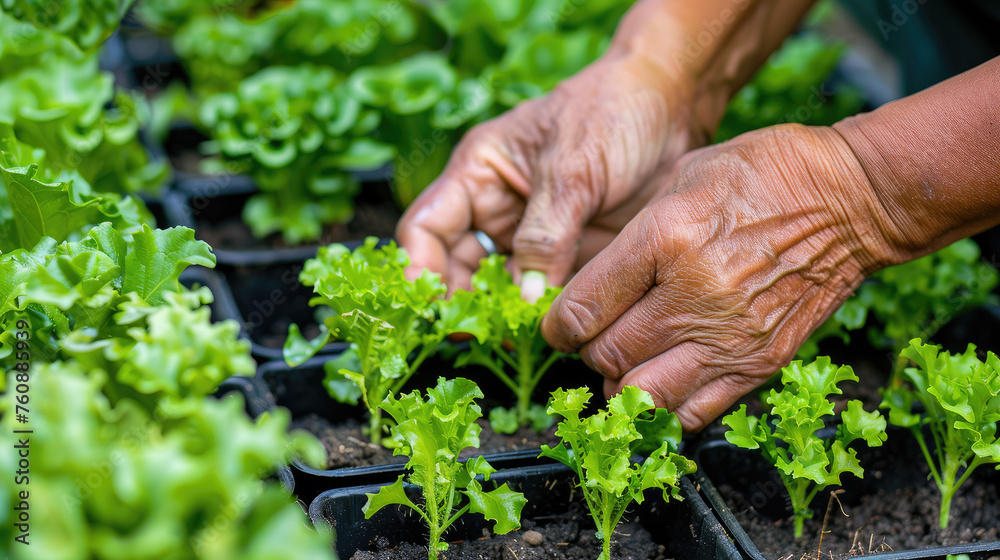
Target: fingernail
x=533, y=284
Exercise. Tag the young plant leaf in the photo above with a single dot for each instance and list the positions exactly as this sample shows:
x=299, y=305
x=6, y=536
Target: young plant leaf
x=788, y=436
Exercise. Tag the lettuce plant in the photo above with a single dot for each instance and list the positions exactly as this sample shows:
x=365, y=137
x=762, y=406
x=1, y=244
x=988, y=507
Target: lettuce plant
x=394, y=324
x=79, y=120
x=432, y=432
x=169, y=354
x=86, y=22
x=960, y=395
x=114, y=480
x=513, y=348
x=913, y=300
x=31, y=210
x=88, y=283
x=223, y=46
x=788, y=438
x=598, y=449
x=296, y=132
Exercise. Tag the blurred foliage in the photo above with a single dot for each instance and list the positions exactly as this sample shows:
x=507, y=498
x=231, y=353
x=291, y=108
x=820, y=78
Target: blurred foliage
x=109, y=363
x=912, y=300
x=297, y=131
x=792, y=87
x=85, y=22
x=58, y=101
x=432, y=70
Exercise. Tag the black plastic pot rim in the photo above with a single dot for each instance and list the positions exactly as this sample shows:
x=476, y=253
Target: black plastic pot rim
x=750, y=551
x=387, y=472
x=390, y=472
x=696, y=534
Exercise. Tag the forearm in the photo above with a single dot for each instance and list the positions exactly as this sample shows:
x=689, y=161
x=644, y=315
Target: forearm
x=933, y=159
x=708, y=48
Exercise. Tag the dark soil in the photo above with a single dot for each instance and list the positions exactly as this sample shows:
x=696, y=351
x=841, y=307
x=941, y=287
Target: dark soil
x=348, y=446
x=894, y=508
x=569, y=536
x=904, y=519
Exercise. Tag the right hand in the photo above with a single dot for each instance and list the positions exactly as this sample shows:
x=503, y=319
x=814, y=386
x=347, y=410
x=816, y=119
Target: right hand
x=556, y=178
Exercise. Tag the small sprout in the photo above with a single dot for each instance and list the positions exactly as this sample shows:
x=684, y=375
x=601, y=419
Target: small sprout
x=512, y=346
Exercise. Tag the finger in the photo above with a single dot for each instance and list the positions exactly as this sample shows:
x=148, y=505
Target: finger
x=547, y=241
x=604, y=289
x=676, y=310
x=433, y=225
x=464, y=261
x=564, y=201
x=473, y=192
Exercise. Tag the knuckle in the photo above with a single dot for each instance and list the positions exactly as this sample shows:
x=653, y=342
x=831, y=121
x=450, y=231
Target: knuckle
x=693, y=419
x=540, y=243
x=606, y=358
x=572, y=319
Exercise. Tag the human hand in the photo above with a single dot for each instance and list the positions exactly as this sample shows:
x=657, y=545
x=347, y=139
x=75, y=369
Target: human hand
x=712, y=288
x=554, y=179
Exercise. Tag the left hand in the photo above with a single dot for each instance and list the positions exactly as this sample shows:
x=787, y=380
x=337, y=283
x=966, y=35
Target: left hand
x=712, y=288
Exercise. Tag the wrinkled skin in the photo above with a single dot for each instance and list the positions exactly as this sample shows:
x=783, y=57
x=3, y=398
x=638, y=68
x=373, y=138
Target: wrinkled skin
x=553, y=180
x=713, y=287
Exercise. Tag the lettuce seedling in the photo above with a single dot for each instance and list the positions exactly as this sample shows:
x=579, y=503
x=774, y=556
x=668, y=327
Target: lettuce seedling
x=393, y=323
x=296, y=131
x=598, y=448
x=87, y=284
x=432, y=433
x=960, y=395
x=806, y=462
x=513, y=348
x=912, y=300
x=123, y=482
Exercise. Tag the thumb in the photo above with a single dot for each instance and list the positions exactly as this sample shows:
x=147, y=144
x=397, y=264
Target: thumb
x=548, y=239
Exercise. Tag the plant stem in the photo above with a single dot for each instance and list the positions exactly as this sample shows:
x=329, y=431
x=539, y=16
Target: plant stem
x=948, y=490
x=608, y=528
x=434, y=516
x=946, y=496
x=800, y=504
x=525, y=379
x=375, y=425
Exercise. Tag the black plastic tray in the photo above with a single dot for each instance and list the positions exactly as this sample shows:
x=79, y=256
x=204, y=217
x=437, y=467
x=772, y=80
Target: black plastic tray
x=306, y=395
x=717, y=463
x=217, y=199
x=266, y=298
x=687, y=528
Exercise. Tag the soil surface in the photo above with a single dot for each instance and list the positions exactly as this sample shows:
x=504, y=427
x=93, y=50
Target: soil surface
x=881, y=521
x=569, y=536
x=347, y=446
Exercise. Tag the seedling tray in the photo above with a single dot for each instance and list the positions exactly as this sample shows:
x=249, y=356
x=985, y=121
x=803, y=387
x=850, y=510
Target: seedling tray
x=720, y=462
x=213, y=207
x=687, y=529
x=300, y=390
